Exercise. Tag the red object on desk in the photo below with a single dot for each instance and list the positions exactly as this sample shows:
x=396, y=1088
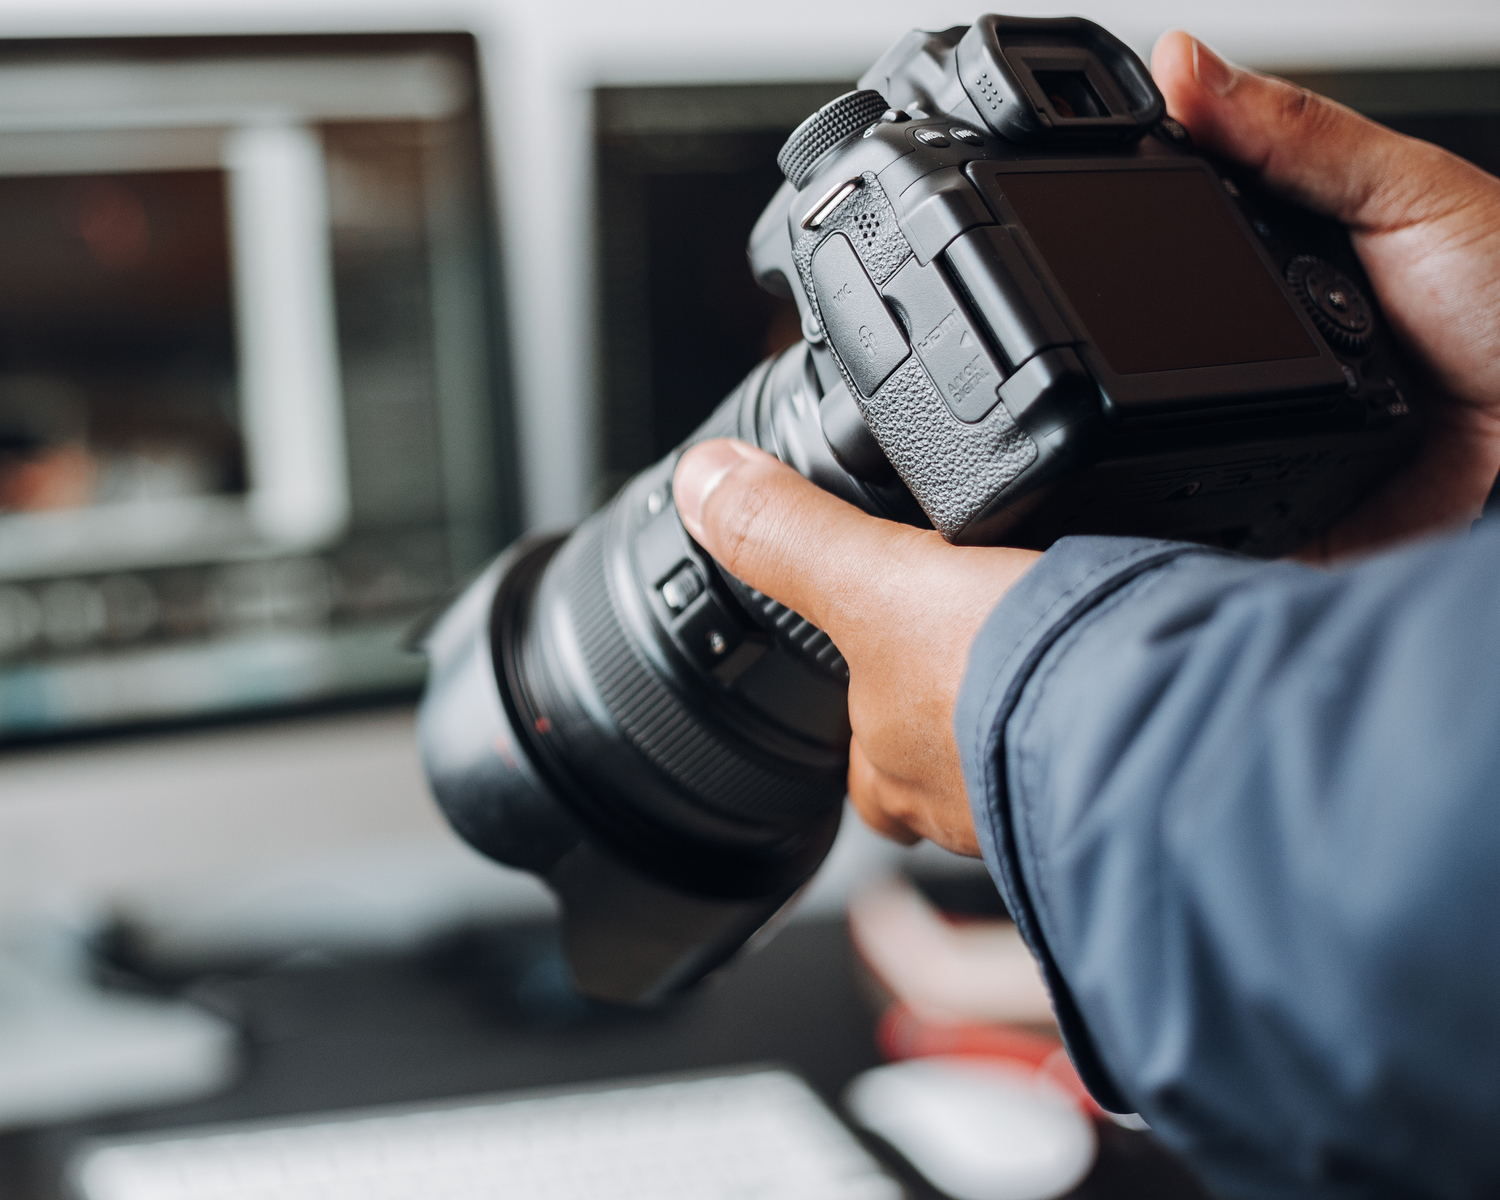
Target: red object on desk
x=904, y=1032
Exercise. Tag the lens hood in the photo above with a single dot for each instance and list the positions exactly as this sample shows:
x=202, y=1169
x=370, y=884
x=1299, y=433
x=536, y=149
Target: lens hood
x=633, y=932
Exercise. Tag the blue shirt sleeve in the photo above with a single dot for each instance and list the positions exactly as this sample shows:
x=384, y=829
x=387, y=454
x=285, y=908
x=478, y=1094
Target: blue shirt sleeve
x=1247, y=815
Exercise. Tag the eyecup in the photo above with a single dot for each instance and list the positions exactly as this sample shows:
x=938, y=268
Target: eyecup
x=994, y=67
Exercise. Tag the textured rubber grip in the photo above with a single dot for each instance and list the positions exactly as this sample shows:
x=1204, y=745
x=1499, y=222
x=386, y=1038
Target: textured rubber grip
x=954, y=469
x=825, y=129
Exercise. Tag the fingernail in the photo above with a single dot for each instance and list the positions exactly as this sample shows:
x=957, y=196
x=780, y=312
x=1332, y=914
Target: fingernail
x=1212, y=71
x=699, y=471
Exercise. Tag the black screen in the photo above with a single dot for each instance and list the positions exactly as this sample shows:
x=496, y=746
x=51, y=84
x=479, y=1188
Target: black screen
x=680, y=175
x=1156, y=267
x=117, y=354
x=139, y=580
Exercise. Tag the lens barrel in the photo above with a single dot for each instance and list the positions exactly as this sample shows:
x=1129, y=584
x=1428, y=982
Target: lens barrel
x=662, y=744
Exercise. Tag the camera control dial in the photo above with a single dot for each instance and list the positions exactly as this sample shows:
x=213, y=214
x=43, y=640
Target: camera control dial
x=825, y=129
x=1335, y=303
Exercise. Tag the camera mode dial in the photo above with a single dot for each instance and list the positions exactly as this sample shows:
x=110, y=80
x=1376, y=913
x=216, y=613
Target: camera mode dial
x=1335, y=303
x=825, y=129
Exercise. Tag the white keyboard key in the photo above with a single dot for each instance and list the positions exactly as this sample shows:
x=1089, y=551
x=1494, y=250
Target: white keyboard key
x=762, y=1135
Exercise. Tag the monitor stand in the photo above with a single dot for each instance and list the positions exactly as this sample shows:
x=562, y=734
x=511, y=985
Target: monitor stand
x=70, y=1049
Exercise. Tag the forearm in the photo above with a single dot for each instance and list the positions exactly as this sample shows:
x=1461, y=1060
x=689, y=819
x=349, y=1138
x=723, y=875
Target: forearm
x=1242, y=812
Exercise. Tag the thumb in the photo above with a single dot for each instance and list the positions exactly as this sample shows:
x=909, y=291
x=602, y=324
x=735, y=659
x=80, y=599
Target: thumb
x=1327, y=156
x=782, y=534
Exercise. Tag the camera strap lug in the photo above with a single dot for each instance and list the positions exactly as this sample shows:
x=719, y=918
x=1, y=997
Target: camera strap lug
x=829, y=201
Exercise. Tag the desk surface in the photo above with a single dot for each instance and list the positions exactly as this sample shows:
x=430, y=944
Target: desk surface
x=483, y=1014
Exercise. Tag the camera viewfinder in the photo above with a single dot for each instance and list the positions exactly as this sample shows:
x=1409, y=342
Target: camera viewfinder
x=1071, y=95
x=1056, y=80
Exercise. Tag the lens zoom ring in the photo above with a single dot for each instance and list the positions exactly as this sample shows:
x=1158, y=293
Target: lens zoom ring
x=656, y=720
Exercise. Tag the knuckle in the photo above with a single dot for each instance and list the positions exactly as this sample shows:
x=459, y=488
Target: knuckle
x=1305, y=112
x=740, y=527
x=1295, y=103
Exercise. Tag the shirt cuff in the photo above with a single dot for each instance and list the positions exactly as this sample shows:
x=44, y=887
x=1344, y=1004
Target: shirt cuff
x=1056, y=592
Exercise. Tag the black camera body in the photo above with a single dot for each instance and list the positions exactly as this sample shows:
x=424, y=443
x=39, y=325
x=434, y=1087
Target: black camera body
x=1054, y=317
x=1030, y=309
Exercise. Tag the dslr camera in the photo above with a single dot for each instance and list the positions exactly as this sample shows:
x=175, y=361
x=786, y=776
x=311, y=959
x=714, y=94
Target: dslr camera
x=1029, y=309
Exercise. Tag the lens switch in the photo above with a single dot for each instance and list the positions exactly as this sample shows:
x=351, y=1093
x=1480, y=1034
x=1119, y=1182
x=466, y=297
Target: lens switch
x=682, y=587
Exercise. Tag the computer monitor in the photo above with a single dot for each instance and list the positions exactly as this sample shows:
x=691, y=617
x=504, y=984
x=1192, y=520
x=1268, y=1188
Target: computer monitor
x=253, y=421
x=680, y=175
x=253, y=413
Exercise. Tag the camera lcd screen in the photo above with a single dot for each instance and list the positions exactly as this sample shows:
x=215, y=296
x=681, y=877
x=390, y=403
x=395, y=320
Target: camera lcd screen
x=1155, y=265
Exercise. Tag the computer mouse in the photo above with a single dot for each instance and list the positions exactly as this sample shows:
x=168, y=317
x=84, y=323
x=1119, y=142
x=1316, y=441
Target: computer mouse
x=977, y=1130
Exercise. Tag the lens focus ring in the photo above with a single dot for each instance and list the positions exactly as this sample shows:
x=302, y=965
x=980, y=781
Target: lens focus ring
x=795, y=632
x=659, y=723
x=825, y=129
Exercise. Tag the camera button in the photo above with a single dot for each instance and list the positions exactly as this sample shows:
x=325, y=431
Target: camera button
x=682, y=587
x=932, y=137
x=970, y=137
x=1173, y=133
x=1334, y=302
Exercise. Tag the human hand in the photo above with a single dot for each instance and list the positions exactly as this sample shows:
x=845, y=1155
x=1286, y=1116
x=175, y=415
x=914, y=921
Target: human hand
x=1426, y=226
x=901, y=604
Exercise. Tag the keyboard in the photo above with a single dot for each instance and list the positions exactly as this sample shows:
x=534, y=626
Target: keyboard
x=755, y=1135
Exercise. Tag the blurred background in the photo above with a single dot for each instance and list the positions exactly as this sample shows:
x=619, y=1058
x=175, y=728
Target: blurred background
x=306, y=309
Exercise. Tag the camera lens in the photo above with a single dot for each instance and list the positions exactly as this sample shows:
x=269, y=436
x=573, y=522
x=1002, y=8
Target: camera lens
x=1071, y=94
x=666, y=746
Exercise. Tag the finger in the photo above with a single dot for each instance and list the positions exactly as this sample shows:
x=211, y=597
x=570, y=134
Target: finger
x=785, y=536
x=1326, y=155
x=870, y=793
x=1444, y=489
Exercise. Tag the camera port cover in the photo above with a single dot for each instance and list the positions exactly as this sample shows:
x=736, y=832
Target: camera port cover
x=869, y=341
